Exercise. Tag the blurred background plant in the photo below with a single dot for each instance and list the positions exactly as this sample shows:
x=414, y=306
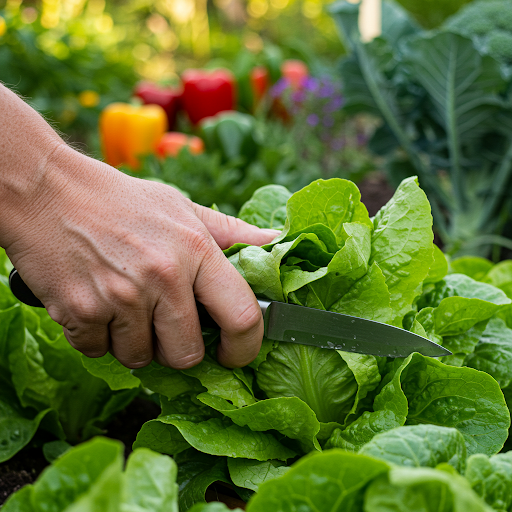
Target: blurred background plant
x=72, y=58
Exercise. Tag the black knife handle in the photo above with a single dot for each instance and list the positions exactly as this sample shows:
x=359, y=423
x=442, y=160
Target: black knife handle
x=21, y=291
x=24, y=294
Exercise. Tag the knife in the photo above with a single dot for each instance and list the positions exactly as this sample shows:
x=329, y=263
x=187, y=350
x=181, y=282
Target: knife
x=308, y=326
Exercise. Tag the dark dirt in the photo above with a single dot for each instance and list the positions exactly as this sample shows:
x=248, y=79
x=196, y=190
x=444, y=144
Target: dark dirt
x=26, y=466
x=375, y=192
x=22, y=469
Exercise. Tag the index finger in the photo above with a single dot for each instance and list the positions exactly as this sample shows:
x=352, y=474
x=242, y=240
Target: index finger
x=233, y=305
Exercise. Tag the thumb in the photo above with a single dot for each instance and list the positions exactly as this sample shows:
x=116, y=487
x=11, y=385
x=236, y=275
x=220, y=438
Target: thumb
x=227, y=230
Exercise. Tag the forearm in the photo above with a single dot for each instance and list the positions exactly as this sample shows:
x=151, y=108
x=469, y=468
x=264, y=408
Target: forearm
x=27, y=147
x=39, y=172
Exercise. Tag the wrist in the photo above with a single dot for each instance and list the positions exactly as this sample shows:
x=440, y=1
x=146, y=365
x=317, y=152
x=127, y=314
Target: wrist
x=47, y=192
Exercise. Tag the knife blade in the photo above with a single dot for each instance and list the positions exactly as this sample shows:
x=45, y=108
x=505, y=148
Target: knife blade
x=308, y=326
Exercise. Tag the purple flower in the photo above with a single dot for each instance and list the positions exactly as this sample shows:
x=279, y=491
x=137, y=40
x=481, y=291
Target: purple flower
x=312, y=119
x=279, y=87
x=337, y=102
x=298, y=96
x=326, y=91
x=311, y=84
x=334, y=105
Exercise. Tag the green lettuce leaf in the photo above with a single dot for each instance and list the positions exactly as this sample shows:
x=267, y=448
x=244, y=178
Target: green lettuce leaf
x=319, y=377
x=221, y=382
x=290, y=416
x=328, y=203
x=90, y=477
x=402, y=245
x=82, y=474
x=472, y=266
x=149, y=483
x=166, y=381
x=174, y=433
x=252, y=473
x=439, y=267
x=419, y=446
x=493, y=353
x=45, y=373
x=196, y=472
x=491, y=478
x=422, y=490
x=348, y=265
x=368, y=298
x=422, y=390
x=111, y=371
x=333, y=480
x=267, y=207
x=501, y=276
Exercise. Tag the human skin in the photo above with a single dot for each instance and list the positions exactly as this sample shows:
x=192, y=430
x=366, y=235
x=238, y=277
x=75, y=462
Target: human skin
x=116, y=260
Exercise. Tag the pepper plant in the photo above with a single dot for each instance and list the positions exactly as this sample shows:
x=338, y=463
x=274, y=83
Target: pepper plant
x=446, y=117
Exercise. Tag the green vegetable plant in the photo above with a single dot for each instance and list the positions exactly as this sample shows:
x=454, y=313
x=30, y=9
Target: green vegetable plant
x=420, y=468
x=43, y=384
x=489, y=24
x=91, y=477
x=233, y=134
x=237, y=164
x=246, y=426
x=401, y=432
x=443, y=100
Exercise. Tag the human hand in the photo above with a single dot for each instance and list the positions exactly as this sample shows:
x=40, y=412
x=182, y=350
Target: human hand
x=119, y=262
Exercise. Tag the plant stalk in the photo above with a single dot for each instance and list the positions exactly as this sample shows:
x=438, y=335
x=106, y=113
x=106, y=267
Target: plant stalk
x=497, y=188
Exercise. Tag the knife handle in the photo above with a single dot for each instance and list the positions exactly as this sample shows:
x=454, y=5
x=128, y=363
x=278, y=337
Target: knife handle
x=24, y=294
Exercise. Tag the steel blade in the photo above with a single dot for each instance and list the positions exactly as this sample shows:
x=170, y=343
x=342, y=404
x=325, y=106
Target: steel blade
x=325, y=329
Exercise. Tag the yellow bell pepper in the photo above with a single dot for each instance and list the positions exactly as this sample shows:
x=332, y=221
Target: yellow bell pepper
x=129, y=132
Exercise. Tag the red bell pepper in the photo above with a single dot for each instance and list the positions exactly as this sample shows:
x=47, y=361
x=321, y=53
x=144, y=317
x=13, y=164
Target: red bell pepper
x=260, y=82
x=206, y=93
x=169, y=98
x=295, y=72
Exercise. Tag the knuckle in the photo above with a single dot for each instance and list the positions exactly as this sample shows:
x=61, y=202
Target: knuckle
x=187, y=361
x=248, y=319
x=161, y=266
x=126, y=294
x=86, y=311
x=198, y=240
x=57, y=314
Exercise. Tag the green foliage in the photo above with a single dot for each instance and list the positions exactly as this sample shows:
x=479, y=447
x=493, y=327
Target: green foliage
x=52, y=67
x=419, y=446
x=409, y=468
x=43, y=382
x=297, y=399
x=442, y=101
x=406, y=425
x=489, y=23
x=281, y=160
x=91, y=477
x=430, y=13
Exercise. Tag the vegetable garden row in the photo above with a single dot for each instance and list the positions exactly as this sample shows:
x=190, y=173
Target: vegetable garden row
x=403, y=430
x=303, y=428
